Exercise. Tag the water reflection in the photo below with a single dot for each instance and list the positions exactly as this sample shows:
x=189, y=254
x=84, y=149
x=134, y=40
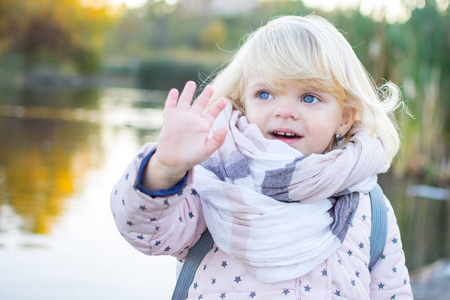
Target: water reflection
x=44, y=153
x=41, y=160
x=51, y=137
x=61, y=150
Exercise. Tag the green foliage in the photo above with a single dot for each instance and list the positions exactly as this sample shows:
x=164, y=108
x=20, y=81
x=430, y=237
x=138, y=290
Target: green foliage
x=59, y=30
x=88, y=61
x=213, y=34
x=168, y=73
x=162, y=27
x=421, y=47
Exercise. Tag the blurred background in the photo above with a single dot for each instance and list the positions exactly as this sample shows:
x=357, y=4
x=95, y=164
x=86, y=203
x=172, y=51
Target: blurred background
x=82, y=83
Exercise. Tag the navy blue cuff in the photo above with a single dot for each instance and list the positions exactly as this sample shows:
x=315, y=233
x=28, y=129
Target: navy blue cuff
x=158, y=193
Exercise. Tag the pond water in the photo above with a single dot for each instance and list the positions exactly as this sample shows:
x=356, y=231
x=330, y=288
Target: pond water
x=62, y=150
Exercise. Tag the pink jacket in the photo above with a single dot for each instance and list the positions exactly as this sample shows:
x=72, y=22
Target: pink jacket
x=169, y=225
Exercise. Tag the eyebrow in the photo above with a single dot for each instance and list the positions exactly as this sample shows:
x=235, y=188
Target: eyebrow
x=259, y=84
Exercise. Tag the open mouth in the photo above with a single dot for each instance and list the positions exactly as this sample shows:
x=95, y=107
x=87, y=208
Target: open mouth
x=285, y=135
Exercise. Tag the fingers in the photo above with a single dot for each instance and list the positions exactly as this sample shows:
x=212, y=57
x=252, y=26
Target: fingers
x=215, y=110
x=202, y=101
x=171, y=100
x=214, y=142
x=184, y=103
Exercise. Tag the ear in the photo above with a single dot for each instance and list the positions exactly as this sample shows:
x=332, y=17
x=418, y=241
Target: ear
x=348, y=118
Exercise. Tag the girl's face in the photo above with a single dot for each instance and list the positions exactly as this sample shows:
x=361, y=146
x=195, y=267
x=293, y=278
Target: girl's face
x=305, y=119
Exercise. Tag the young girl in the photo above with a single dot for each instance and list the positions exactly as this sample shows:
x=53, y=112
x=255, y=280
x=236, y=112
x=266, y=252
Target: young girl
x=275, y=159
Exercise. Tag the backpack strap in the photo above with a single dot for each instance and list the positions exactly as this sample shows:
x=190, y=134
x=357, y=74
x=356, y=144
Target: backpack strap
x=205, y=243
x=379, y=224
x=190, y=265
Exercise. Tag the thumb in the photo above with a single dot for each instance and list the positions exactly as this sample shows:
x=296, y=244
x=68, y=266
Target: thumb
x=217, y=140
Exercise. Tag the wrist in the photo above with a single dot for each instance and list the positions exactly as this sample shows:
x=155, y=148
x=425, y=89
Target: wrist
x=165, y=170
x=158, y=176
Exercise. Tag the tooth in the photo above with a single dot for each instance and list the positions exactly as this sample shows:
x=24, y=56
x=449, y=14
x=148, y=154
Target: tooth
x=288, y=134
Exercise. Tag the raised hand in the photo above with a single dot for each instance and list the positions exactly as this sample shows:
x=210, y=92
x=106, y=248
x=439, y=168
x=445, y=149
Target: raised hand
x=184, y=139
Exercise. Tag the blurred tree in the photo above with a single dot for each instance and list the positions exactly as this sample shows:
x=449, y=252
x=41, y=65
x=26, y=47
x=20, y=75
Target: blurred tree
x=421, y=48
x=55, y=30
x=214, y=34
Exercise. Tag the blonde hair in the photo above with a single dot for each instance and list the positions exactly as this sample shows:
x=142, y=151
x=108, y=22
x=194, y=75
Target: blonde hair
x=310, y=50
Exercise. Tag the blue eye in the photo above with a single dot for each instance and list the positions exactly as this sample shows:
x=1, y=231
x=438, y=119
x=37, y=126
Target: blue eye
x=310, y=99
x=265, y=96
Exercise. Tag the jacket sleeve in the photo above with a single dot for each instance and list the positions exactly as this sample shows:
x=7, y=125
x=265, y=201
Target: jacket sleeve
x=389, y=276
x=165, y=223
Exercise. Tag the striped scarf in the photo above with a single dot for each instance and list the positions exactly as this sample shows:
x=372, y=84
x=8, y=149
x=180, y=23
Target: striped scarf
x=277, y=211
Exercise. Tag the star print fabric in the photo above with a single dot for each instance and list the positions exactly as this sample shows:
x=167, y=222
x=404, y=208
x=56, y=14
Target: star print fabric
x=172, y=222
x=147, y=222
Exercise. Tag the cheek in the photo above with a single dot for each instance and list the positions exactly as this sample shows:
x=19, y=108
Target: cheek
x=323, y=135
x=322, y=132
x=255, y=116
x=250, y=113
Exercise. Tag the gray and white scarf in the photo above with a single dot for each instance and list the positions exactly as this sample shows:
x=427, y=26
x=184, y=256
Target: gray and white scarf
x=277, y=211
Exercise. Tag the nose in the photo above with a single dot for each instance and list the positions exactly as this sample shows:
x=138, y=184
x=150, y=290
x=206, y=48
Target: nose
x=287, y=110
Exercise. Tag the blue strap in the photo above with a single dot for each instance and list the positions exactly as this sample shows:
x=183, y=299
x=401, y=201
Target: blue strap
x=379, y=224
x=190, y=265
